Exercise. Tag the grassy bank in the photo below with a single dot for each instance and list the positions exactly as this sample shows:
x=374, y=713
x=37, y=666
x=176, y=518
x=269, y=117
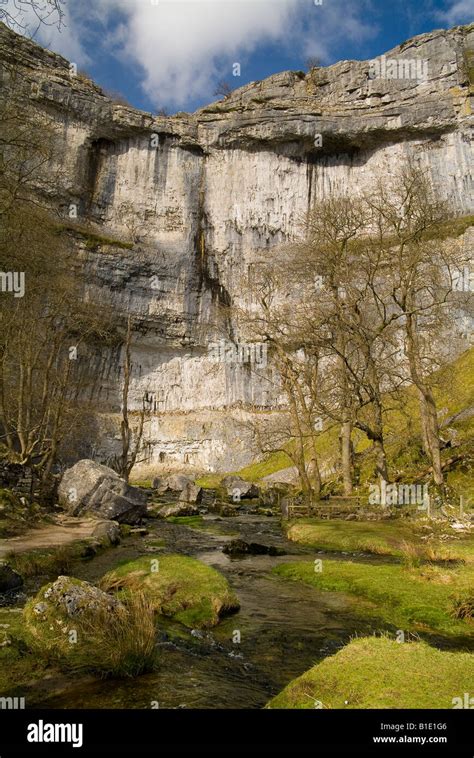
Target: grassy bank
x=410, y=540
x=414, y=599
x=183, y=588
x=380, y=673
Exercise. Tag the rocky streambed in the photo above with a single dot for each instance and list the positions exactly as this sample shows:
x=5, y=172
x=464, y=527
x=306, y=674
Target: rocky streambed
x=281, y=629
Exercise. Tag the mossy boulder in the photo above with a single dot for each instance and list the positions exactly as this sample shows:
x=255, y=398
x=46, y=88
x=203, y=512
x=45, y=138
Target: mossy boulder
x=15, y=514
x=381, y=673
x=80, y=627
x=177, y=586
x=177, y=509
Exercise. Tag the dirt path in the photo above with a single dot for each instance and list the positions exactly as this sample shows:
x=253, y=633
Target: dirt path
x=67, y=530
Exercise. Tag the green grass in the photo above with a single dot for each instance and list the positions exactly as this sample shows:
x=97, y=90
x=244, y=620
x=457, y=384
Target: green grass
x=453, y=388
x=380, y=673
x=389, y=537
x=468, y=56
x=183, y=588
x=412, y=599
x=450, y=229
x=18, y=664
x=209, y=481
x=47, y=561
x=144, y=483
x=270, y=464
x=194, y=521
x=93, y=240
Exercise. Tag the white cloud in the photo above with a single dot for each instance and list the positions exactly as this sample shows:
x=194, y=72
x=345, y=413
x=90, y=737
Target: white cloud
x=178, y=43
x=185, y=46
x=459, y=12
x=40, y=20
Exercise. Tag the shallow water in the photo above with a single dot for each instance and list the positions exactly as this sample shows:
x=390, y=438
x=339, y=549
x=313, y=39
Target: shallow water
x=285, y=627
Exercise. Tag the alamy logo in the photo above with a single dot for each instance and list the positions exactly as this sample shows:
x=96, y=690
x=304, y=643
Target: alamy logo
x=398, y=68
x=12, y=703
x=399, y=494
x=13, y=281
x=463, y=280
x=228, y=352
x=42, y=732
x=463, y=702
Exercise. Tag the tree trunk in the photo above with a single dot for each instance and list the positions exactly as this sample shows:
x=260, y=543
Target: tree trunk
x=377, y=436
x=346, y=456
x=315, y=476
x=432, y=433
x=428, y=414
x=381, y=459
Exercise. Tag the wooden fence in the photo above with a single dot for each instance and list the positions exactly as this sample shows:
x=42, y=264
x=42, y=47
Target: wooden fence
x=335, y=505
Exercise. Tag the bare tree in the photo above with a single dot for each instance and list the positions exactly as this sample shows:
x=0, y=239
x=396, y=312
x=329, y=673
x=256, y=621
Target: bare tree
x=269, y=319
x=27, y=16
x=47, y=332
x=325, y=259
x=223, y=89
x=117, y=97
x=421, y=270
x=312, y=62
x=45, y=359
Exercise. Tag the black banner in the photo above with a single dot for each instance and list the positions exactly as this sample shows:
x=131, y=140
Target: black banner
x=226, y=732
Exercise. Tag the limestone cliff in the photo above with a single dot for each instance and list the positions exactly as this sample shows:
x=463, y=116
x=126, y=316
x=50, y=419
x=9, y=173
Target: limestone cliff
x=196, y=198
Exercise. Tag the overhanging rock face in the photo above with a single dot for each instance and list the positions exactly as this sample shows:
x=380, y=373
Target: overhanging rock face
x=197, y=199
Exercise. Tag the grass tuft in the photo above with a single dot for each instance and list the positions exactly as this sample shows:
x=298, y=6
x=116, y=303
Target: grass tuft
x=118, y=642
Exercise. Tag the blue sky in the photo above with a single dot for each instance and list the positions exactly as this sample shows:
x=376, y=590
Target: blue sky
x=171, y=53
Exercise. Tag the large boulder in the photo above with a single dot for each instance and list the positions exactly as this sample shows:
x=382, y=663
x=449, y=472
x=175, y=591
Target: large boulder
x=173, y=483
x=177, y=509
x=240, y=547
x=72, y=597
x=91, y=487
x=9, y=579
x=239, y=489
x=107, y=532
x=191, y=493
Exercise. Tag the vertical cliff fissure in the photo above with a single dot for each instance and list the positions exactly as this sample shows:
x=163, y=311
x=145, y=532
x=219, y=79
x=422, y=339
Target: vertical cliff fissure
x=207, y=268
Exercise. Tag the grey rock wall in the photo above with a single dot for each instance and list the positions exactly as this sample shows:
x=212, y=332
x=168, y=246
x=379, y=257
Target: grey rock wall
x=199, y=197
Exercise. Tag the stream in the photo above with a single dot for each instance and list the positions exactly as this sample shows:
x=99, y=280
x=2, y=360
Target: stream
x=285, y=627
